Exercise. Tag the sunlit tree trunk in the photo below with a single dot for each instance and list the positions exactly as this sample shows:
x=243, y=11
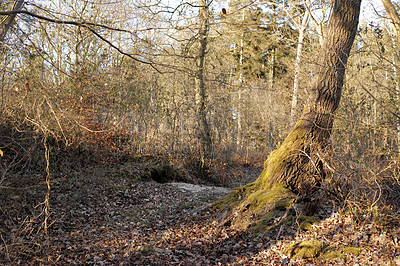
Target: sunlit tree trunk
x=395, y=18
x=392, y=14
x=272, y=68
x=239, y=105
x=297, y=67
x=203, y=127
x=319, y=21
x=395, y=63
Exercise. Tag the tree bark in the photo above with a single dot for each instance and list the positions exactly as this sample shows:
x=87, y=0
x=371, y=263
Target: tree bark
x=203, y=127
x=9, y=20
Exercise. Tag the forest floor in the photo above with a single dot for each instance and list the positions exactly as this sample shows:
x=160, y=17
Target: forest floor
x=122, y=221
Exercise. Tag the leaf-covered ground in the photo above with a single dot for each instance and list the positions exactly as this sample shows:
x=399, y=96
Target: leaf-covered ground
x=141, y=222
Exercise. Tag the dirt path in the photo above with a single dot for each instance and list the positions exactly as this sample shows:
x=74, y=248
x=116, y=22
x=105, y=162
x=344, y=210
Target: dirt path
x=147, y=223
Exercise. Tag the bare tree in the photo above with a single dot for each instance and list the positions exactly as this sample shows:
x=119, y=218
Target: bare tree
x=203, y=127
x=395, y=19
x=302, y=28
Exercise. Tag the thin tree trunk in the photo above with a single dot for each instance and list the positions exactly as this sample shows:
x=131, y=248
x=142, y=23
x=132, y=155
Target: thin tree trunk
x=239, y=105
x=395, y=18
x=374, y=112
x=272, y=69
x=297, y=68
x=393, y=15
x=9, y=20
x=397, y=81
x=203, y=127
x=319, y=23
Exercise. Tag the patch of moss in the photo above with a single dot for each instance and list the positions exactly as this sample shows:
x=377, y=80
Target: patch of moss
x=265, y=223
x=341, y=253
x=304, y=250
x=306, y=222
x=133, y=157
x=264, y=206
x=278, y=196
x=255, y=208
x=352, y=250
x=333, y=254
x=234, y=197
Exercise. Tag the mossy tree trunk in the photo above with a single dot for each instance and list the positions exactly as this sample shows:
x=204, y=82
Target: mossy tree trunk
x=295, y=167
x=296, y=163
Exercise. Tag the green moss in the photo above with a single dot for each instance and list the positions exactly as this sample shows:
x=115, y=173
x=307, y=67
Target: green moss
x=257, y=204
x=277, y=196
x=304, y=250
x=333, y=254
x=264, y=206
x=306, y=222
x=234, y=197
x=255, y=208
x=293, y=143
x=341, y=253
x=264, y=224
x=352, y=250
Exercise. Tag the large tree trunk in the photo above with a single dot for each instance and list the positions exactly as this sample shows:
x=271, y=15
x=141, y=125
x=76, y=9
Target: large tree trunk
x=295, y=167
x=296, y=163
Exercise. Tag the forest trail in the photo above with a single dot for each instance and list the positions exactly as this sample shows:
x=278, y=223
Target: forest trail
x=148, y=223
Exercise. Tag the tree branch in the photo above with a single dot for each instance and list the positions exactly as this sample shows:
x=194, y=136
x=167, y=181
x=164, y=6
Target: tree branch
x=8, y=21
